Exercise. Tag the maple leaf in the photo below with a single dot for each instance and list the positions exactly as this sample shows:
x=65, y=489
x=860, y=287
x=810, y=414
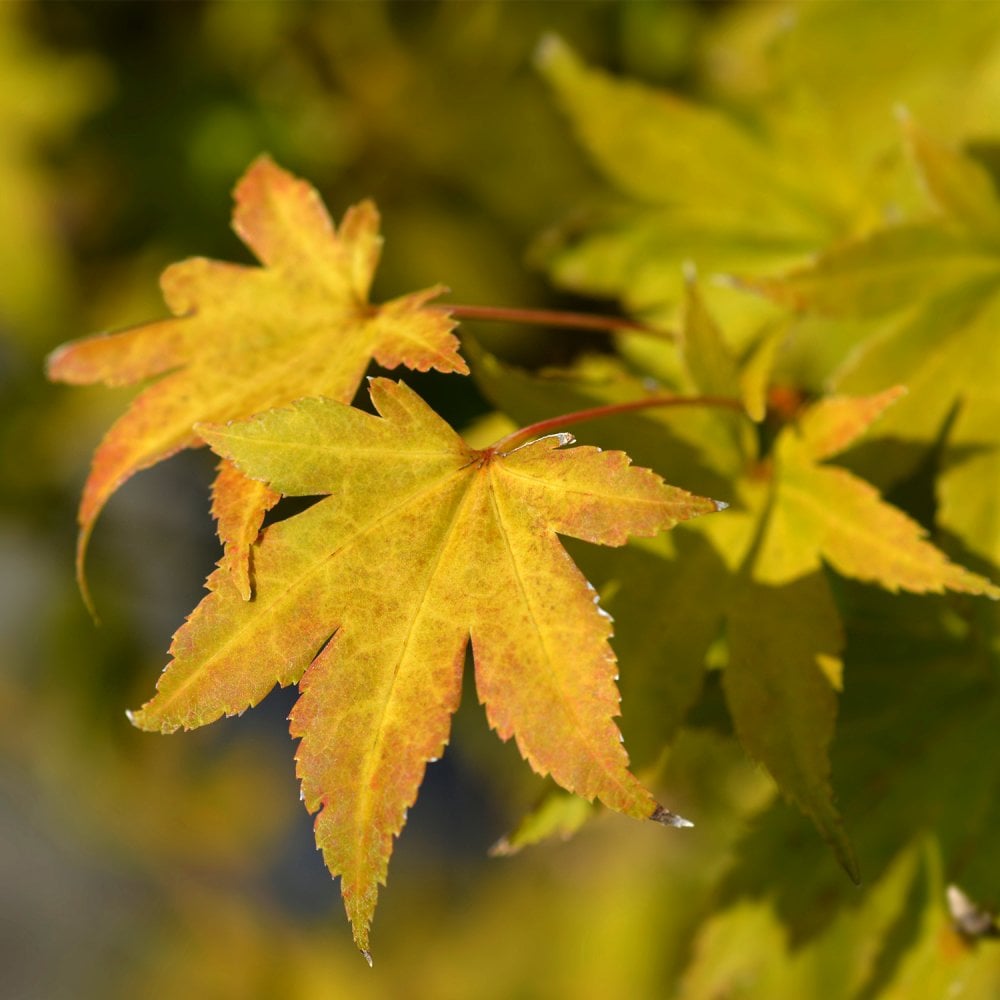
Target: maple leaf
x=756, y=573
x=424, y=543
x=245, y=339
x=822, y=511
x=910, y=763
x=676, y=206
x=938, y=281
x=677, y=196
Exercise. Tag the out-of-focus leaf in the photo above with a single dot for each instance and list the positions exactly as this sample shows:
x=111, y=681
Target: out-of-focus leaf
x=845, y=59
x=558, y=814
x=743, y=950
x=784, y=665
x=674, y=161
x=961, y=188
x=940, y=280
x=44, y=95
x=884, y=273
x=967, y=488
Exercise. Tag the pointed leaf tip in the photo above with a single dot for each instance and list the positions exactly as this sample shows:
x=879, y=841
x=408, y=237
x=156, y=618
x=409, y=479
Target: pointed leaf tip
x=720, y=505
x=668, y=818
x=367, y=955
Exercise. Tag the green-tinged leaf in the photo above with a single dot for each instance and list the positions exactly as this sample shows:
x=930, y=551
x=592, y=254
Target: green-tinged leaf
x=784, y=648
x=919, y=707
x=673, y=160
x=755, y=375
x=740, y=952
x=886, y=272
x=707, y=357
x=743, y=949
x=710, y=367
x=958, y=186
x=667, y=598
x=856, y=62
x=942, y=281
x=862, y=536
x=970, y=483
x=559, y=814
x=828, y=512
x=644, y=138
x=943, y=355
x=371, y=596
x=942, y=961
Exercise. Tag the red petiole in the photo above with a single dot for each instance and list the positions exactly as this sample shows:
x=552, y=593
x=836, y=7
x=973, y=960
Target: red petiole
x=548, y=317
x=542, y=427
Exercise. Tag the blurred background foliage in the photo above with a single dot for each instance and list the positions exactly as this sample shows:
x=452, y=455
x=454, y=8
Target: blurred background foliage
x=131, y=865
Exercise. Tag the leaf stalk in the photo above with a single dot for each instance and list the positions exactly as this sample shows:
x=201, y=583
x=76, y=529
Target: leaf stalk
x=542, y=427
x=550, y=317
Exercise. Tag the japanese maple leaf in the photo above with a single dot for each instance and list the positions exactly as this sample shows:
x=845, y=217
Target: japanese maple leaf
x=370, y=596
x=935, y=285
x=245, y=339
x=824, y=512
x=757, y=574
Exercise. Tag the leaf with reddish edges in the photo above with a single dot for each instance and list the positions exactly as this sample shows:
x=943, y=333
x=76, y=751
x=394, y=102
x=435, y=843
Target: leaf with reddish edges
x=370, y=597
x=836, y=422
x=245, y=339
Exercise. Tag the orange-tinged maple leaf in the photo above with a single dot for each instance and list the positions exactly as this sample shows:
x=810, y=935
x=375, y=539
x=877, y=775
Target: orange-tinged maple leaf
x=371, y=595
x=245, y=339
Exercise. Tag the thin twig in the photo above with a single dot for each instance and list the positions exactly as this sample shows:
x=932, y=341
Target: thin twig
x=542, y=427
x=549, y=317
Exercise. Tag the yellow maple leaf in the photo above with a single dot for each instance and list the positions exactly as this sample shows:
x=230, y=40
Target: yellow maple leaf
x=245, y=339
x=823, y=511
x=371, y=595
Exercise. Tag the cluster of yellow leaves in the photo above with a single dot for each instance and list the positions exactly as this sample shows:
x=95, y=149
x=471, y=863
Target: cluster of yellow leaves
x=369, y=598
